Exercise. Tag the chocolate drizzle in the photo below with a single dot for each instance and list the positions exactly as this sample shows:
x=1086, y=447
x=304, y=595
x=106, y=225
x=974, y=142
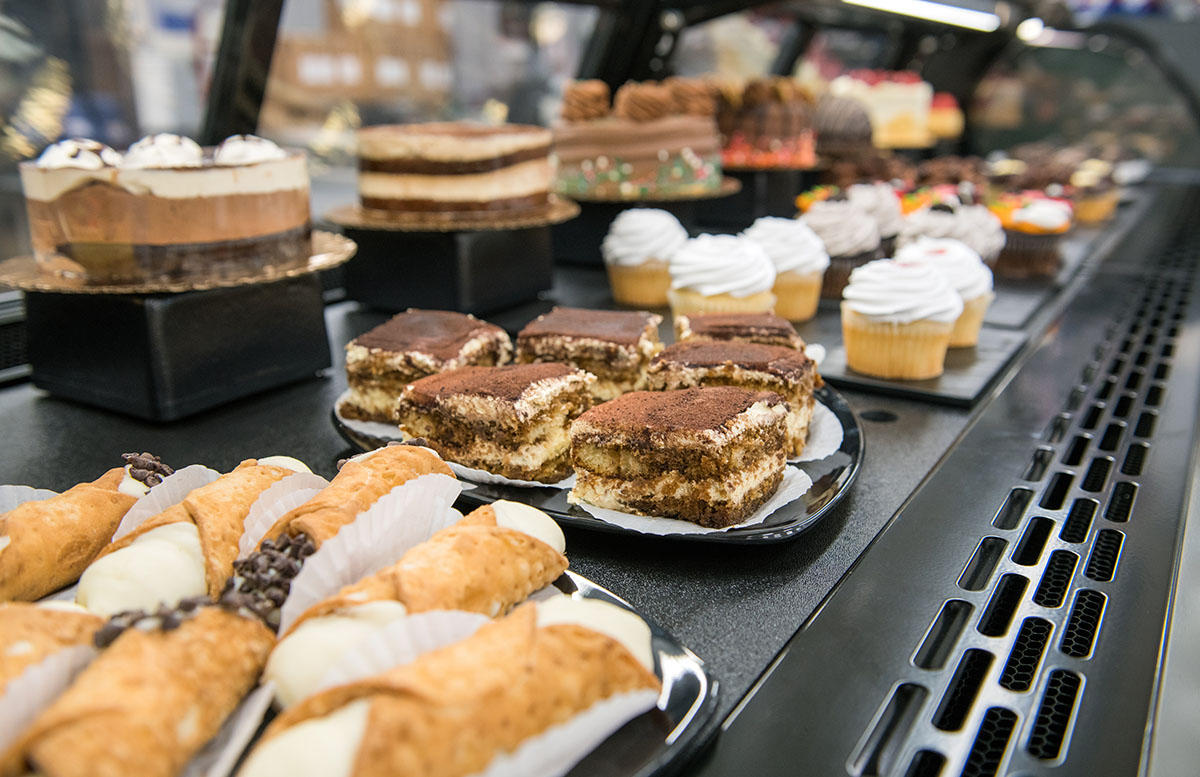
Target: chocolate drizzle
x=261, y=581
x=146, y=468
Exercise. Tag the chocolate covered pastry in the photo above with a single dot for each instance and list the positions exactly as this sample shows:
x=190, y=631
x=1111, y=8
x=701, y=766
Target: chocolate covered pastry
x=411, y=345
x=786, y=371
x=510, y=421
x=614, y=346
x=711, y=456
x=761, y=328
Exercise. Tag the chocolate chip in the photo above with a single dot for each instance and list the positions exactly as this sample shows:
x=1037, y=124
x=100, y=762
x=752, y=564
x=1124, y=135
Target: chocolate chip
x=146, y=467
x=941, y=207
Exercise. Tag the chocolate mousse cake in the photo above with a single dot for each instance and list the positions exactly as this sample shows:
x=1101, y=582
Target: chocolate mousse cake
x=761, y=328
x=511, y=421
x=711, y=456
x=786, y=371
x=410, y=346
x=452, y=167
x=655, y=139
x=168, y=210
x=615, y=346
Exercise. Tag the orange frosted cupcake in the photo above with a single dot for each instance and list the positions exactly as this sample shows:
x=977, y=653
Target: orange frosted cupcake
x=897, y=318
x=721, y=274
x=1033, y=230
x=637, y=251
x=800, y=261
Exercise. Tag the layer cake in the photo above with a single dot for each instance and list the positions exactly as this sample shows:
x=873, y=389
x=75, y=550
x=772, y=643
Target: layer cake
x=711, y=456
x=615, y=346
x=761, y=328
x=410, y=346
x=454, y=167
x=785, y=371
x=167, y=209
x=511, y=421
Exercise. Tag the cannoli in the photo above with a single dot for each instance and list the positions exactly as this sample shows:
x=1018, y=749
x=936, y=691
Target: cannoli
x=151, y=700
x=45, y=545
x=30, y=633
x=452, y=711
x=186, y=550
x=488, y=562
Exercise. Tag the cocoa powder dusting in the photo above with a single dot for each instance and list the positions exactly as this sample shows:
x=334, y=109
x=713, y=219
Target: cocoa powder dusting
x=694, y=409
x=438, y=333
x=727, y=326
x=615, y=326
x=507, y=383
x=781, y=361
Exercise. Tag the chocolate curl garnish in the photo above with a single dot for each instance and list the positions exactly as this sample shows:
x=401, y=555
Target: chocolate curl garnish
x=164, y=618
x=642, y=102
x=692, y=96
x=146, y=467
x=261, y=581
x=585, y=100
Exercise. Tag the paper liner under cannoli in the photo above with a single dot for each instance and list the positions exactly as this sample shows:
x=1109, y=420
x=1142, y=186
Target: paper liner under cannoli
x=148, y=703
x=186, y=550
x=453, y=711
x=359, y=483
x=30, y=633
x=488, y=562
x=46, y=544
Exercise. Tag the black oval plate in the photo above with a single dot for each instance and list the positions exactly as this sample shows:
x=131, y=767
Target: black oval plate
x=831, y=478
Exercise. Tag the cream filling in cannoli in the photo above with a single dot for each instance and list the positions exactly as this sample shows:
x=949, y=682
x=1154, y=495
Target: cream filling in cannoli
x=285, y=462
x=321, y=747
x=608, y=619
x=163, y=566
x=131, y=486
x=299, y=662
x=531, y=521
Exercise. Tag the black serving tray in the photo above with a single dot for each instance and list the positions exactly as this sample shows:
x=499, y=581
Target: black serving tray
x=831, y=478
x=765, y=192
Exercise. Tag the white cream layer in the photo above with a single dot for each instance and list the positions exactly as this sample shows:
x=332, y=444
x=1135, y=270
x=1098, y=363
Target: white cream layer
x=318, y=747
x=447, y=147
x=520, y=180
x=163, y=566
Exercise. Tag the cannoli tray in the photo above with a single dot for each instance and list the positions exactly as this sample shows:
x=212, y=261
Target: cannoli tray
x=816, y=485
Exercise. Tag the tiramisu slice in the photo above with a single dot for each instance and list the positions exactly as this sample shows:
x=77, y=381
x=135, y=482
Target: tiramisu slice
x=786, y=371
x=412, y=345
x=762, y=328
x=615, y=346
x=511, y=421
x=707, y=455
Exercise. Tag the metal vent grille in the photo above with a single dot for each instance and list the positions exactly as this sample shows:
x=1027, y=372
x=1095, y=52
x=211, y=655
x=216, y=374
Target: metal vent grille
x=1026, y=654
x=990, y=743
x=1054, y=715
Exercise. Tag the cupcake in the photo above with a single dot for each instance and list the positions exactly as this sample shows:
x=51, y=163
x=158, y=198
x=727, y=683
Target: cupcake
x=721, y=274
x=851, y=238
x=974, y=225
x=879, y=200
x=800, y=260
x=1033, y=230
x=897, y=318
x=637, y=250
x=1096, y=193
x=966, y=272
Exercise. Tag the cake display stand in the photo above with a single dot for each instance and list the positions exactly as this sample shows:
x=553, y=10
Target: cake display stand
x=162, y=351
x=578, y=242
x=764, y=192
x=469, y=262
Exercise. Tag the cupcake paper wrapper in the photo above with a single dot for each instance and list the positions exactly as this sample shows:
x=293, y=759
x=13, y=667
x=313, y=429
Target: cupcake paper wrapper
x=12, y=496
x=32, y=691
x=488, y=478
x=401, y=642
x=410, y=514
x=824, y=435
x=279, y=498
x=794, y=485
x=168, y=493
x=686, y=302
x=221, y=754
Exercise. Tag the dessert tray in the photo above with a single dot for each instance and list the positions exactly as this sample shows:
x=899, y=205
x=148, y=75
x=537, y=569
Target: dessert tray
x=831, y=477
x=558, y=210
x=728, y=186
x=328, y=251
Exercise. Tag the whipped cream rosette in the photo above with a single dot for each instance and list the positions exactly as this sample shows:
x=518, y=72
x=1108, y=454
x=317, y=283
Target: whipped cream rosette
x=966, y=272
x=800, y=261
x=639, y=244
x=721, y=273
x=881, y=203
x=851, y=238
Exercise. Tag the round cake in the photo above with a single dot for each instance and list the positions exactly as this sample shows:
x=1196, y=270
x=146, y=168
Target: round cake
x=167, y=209
x=453, y=167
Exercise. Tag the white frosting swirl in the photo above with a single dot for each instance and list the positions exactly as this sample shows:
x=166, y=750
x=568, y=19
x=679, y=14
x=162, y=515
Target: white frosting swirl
x=246, y=150
x=790, y=244
x=844, y=228
x=164, y=150
x=881, y=202
x=974, y=225
x=722, y=264
x=961, y=265
x=639, y=235
x=900, y=292
x=80, y=153
x=1044, y=214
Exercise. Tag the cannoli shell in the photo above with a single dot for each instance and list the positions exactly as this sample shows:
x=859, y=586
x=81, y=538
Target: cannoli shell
x=218, y=511
x=149, y=702
x=53, y=540
x=473, y=565
x=450, y=712
x=354, y=489
x=39, y=631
